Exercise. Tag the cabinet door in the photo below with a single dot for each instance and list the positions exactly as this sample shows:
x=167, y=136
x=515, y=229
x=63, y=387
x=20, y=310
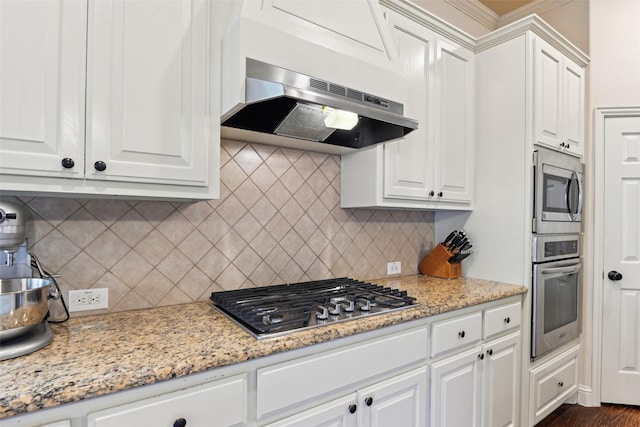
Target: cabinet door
x=547, y=94
x=147, y=91
x=454, y=113
x=455, y=390
x=573, y=109
x=501, y=370
x=400, y=401
x=42, y=63
x=408, y=161
x=337, y=413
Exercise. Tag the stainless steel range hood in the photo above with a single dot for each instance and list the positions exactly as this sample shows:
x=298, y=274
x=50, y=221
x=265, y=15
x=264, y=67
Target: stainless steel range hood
x=290, y=104
x=284, y=80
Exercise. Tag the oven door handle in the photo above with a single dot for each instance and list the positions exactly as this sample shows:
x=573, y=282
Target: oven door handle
x=555, y=270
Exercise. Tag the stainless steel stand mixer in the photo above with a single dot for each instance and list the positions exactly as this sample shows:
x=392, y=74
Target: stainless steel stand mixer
x=24, y=300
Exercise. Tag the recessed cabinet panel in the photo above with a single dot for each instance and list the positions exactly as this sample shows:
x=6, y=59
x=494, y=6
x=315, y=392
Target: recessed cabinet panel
x=42, y=87
x=406, y=172
x=147, y=91
x=548, y=90
x=574, y=106
x=558, y=100
x=454, y=165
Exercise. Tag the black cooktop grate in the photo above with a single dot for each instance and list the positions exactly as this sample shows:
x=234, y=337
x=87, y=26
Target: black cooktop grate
x=277, y=309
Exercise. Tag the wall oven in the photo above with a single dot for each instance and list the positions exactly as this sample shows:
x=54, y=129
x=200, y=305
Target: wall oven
x=557, y=204
x=557, y=279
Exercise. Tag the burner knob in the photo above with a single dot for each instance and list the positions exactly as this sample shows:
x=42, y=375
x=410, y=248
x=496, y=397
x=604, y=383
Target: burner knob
x=323, y=313
x=365, y=305
x=335, y=309
x=180, y=422
x=348, y=305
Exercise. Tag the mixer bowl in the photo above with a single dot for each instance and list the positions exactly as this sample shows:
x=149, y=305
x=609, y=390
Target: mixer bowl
x=23, y=305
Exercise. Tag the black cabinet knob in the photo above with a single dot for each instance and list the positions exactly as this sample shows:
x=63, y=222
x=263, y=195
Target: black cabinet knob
x=481, y=356
x=490, y=352
x=440, y=194
x=461, y=334
x=432, y=193
x=614, y=275
x=507, y=320
x=368, y=401
x=353, y=408
x=68, y=163
x=100, y=166
x=180, y=422
x=561, y=384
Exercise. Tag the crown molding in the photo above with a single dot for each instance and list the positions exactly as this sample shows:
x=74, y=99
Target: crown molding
x=537, y=7
x=487, y=17
x=478, y=11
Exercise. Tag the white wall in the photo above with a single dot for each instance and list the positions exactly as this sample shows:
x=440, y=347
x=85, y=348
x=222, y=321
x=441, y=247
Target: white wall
x=613, y=78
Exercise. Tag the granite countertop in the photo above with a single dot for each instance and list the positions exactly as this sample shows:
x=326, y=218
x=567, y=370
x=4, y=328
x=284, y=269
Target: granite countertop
x=96, y=355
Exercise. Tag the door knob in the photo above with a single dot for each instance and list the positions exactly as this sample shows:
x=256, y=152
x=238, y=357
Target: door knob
x=614, y=275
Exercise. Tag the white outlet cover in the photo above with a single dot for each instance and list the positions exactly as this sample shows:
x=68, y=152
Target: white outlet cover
x=394, y=267
x=89, y=299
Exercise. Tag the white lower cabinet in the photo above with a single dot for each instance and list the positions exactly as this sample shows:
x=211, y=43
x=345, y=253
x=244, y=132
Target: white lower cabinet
x=221, y=403
x=479, y=385
x=552, y=383
x=399, y=401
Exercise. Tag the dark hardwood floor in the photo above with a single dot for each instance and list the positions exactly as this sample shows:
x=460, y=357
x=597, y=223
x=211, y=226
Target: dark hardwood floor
x=580, y=416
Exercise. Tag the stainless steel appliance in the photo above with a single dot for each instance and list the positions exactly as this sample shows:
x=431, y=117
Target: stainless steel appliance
x=558, y=192
x=289, y=104
x=23, y=299
x=557, y=282
x=276, y=310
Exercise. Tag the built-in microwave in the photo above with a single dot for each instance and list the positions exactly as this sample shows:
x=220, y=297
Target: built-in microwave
x=558, y=192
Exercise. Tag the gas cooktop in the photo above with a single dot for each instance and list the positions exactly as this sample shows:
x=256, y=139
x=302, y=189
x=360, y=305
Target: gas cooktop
x=279, y=309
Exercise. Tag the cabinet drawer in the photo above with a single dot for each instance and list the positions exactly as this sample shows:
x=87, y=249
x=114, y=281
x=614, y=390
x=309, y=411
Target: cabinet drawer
x=295, y=381
x=221, y=403
x=456, y=333
x=553, y=383
x=502, y=319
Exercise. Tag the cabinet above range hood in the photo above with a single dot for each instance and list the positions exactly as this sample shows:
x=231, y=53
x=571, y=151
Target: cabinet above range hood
x=300, y=75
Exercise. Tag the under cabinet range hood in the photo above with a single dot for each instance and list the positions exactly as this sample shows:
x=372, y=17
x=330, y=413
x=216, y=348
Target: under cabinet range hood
x=296, y=74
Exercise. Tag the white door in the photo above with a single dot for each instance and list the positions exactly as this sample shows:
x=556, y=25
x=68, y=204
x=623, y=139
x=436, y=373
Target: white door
x=621, y=293
x=147, y=91
x=454, y=132
x=400, y=401
x=501, y=392
x=42, y=73
x=337, y=413
x=408, y=161
x=456, y=390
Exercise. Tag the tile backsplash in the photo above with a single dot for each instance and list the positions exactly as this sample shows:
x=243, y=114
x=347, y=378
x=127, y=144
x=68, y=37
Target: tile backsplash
x=278, y=220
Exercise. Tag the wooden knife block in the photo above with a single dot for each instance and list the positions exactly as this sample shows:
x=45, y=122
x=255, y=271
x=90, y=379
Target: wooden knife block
x=437, y=264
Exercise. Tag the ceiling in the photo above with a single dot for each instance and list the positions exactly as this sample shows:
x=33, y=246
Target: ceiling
x=502, y=7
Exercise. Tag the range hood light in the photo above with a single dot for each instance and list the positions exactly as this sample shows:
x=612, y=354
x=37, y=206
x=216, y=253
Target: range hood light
x=340, y=119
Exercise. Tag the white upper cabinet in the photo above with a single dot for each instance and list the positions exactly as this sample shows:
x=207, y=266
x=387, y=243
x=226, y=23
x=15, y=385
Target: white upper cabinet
x=558, y=99
x=141, y=74
x=42, y=73
x=432, y=167
x=147, y=91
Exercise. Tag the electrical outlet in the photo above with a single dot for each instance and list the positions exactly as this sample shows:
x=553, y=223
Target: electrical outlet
x=394, y=267
x=89, y=299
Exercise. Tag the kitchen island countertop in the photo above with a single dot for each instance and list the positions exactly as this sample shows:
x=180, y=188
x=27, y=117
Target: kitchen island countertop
x=96, y=355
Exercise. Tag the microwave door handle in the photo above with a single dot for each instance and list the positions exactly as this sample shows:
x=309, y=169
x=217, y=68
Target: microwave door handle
x=577, y=178
x=569, y=199
x=555, y=270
